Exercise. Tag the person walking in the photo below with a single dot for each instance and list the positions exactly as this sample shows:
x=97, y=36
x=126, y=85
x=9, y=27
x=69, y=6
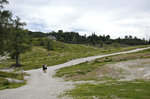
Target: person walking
x=44, y=68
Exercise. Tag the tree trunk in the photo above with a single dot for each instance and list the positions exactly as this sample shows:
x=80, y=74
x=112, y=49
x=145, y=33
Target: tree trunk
x=17, y=60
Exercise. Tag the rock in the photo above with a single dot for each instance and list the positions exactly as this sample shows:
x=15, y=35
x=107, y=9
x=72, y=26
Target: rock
x=14, y=80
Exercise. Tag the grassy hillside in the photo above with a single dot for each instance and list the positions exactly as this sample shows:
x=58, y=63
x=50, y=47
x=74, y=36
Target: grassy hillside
x=61, y=53
x=107, y=87
x=86, y=71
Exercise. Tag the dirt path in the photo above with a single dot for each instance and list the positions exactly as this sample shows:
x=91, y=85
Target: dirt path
x=44, y=86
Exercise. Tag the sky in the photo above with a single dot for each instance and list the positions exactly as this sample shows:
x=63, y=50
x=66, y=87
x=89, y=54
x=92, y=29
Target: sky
x=116, y=18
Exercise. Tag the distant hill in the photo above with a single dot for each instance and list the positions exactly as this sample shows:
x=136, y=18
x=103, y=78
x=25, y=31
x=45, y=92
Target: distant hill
x=93, y=39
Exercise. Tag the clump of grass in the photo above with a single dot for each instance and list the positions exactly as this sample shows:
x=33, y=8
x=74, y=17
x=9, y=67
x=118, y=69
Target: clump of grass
x=74, y=70
x=9, y=75
x=4, y=83
x=112, y=90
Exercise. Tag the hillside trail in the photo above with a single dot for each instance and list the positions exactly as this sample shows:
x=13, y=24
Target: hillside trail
x=44, y=86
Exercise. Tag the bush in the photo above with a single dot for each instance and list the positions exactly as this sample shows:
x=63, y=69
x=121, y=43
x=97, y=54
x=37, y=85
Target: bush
x=5, y=82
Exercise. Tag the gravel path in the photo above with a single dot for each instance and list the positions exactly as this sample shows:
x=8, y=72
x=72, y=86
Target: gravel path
x=44, y=85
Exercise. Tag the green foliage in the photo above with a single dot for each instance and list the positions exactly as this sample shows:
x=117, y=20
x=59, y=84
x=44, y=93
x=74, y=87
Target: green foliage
x=49, y=45
x=61, y=39
x=93, y=39
x=74, y=70
x=9, y=75
x=41, y=42
x=36, y=34
x=20, y=38
x=60, y=54
x=5, y=84
x=116, y=44
x=12, y=36
x=74, y=40
x=3, y=2
x=5, y=28
x=89, y=67
x=112, y=90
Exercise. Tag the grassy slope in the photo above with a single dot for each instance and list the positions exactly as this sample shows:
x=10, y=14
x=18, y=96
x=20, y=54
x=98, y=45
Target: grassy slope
x=62, y=52
x=84, y=68
x=139, y=89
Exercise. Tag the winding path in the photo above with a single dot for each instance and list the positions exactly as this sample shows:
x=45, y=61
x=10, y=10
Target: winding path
x=44, y=86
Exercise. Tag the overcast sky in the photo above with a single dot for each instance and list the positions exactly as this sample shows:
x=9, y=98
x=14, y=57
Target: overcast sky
x=116, y=18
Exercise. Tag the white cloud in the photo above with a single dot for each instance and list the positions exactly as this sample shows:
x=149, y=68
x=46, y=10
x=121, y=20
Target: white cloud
x=114, y=17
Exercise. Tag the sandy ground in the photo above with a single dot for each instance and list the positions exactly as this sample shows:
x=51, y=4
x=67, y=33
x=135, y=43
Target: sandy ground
x=44, y=86
x=133, y=69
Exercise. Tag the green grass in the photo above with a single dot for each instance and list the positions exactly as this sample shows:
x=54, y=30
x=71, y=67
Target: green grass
x=79, y=69
x=110, y=88
x=9, y=75
x=61, y=53
x=5, y=84
x=87, y=70
x=138, y=89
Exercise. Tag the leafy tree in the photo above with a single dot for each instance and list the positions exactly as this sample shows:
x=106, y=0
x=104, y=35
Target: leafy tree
x=49, y=45
x=107, y=37
x=5, y=28
x=20, y=37
x=130, y=37
x=61, y=39
x=74, y=37
x=60, y=31
x=41, y=42
x=37, y=34
x=74, y=40
x=3, y=2
x=126, y=37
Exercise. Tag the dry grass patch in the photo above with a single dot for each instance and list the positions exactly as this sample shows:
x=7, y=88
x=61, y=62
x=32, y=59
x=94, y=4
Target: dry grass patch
x=98, y=74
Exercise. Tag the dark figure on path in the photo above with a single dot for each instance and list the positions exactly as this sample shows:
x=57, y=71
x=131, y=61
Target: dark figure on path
x=44, y=68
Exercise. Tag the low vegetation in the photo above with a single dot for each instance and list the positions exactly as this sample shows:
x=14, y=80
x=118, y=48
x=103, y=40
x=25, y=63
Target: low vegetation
x=60, y=53
x=86, y=71
x=5, y=84
x=105, y=86
x=137, y=89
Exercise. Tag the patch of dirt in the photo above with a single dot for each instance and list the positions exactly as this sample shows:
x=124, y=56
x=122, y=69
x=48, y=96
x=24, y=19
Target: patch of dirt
x=130, y=70
x=124, y=71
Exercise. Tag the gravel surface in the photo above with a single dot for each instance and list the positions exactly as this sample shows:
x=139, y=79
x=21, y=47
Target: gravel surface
x=44, y=86
x=133, y=69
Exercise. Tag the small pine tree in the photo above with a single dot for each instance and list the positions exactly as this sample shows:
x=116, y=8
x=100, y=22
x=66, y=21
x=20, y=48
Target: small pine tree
x=41, y=42
x=49, y=45
x=20, y=37
x=74, y=40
